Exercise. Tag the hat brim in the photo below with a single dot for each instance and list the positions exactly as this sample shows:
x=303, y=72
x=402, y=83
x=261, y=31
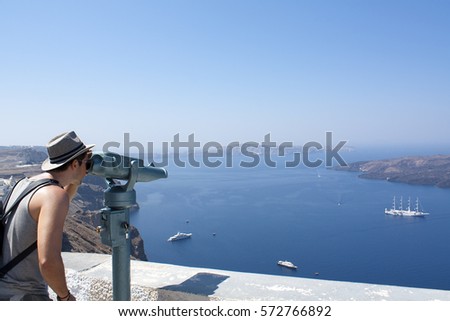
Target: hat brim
x=48, y=166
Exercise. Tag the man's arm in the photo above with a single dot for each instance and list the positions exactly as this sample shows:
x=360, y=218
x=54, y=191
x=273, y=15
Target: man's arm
x=53, y=202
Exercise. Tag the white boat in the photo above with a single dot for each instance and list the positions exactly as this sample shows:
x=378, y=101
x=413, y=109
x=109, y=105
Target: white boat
x=179, y=236
x=408, y=212
x=287, y=264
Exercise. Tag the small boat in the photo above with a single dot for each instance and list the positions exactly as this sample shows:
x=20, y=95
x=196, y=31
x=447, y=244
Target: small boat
x=179, y=236
x=408, y=212
x=287, y=264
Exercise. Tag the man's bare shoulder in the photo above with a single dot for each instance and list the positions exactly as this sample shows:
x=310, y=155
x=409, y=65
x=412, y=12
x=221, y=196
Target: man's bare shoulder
x=52, y=190
x=50, y=198
x=51, y=194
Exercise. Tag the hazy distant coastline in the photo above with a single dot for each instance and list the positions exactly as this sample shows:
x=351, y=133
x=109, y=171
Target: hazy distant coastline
x=417, y=170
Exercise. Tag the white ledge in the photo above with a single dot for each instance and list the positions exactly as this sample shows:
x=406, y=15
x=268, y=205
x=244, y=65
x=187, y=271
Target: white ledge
x=89, y=278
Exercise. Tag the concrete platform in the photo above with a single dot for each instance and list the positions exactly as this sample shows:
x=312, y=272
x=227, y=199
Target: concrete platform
x=89, y=278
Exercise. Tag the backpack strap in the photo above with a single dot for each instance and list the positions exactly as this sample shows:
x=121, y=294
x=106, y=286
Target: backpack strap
x=34, y=185
x=16, y=260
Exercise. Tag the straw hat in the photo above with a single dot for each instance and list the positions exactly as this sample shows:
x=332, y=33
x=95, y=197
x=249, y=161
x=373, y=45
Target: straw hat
x=62, y=149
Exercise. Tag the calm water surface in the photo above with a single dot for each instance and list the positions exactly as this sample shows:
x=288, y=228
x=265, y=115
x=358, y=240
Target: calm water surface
x=329, y=223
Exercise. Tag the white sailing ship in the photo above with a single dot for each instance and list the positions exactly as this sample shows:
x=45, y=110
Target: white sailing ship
x=408, y=212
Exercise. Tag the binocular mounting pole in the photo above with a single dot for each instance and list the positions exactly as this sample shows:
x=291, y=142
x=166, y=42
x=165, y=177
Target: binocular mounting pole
x=115, y=217
x=114, y=230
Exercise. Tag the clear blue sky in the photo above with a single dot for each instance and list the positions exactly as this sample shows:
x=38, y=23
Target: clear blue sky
x=372, y=72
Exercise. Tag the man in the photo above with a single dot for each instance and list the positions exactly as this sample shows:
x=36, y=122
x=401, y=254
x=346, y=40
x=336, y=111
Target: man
x=40, y=216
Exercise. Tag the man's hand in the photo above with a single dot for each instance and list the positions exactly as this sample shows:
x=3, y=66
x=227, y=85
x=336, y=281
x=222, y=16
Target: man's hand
x=71, y=190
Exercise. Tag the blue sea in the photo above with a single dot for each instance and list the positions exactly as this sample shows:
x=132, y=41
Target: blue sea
x=330, y=224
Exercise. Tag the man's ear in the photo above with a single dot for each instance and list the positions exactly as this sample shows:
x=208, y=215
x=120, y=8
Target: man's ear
x=74, y=164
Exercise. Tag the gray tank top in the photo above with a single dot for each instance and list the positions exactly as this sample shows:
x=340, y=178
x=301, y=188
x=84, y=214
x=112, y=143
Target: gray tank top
x=21, y=231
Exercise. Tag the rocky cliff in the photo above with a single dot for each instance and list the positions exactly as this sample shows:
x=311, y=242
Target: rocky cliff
x=84, y=213
x=424, y=170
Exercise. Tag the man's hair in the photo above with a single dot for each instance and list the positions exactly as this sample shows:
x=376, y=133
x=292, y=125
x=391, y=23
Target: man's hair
x=62, y=168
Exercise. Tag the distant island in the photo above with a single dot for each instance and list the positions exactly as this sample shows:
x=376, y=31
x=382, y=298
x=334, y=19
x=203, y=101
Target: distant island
x=418, y=170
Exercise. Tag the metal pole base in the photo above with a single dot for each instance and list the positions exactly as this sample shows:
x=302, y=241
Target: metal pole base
x=114, y=232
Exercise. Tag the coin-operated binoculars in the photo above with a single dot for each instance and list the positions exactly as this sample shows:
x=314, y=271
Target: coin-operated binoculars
x=114, y=229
